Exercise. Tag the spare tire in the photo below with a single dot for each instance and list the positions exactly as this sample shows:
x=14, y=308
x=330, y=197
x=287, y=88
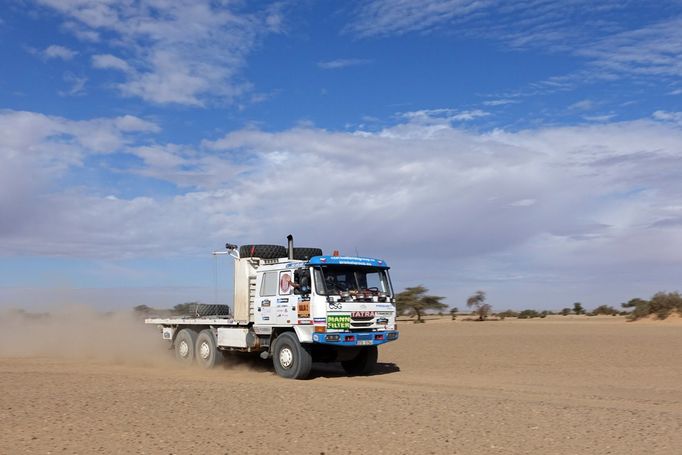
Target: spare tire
x=262, y=251
x=204, y=309
x=303, y=253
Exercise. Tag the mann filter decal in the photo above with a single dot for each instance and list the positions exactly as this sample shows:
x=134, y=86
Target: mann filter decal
x=338, y=321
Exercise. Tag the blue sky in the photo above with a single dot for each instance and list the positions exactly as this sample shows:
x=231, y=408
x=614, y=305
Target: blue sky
x=531, y=149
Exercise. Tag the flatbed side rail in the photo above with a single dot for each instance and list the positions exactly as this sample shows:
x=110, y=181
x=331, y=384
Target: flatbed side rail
x=195, y=321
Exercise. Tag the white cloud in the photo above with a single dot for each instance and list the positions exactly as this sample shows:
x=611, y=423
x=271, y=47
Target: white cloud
x=444, y=115
x=602, y=35
x=385, y=17
x=583, y=105
x=77, y=85
x=342, y=63
x=184, y=52
x=546, y=205
x=500, y=102
x=60, y=52
x=652, y=50
x=668, y=116
x=108, y=61
x=523, y=203
x=599, y=118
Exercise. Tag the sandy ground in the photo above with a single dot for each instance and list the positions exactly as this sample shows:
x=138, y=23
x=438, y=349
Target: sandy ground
x=555, y=386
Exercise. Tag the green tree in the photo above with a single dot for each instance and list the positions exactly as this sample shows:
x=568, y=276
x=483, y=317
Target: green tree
x=477, y=302
x=578, y=308
x=415, y=302
x=565, y=311
x=529, y=314
x=453, y=312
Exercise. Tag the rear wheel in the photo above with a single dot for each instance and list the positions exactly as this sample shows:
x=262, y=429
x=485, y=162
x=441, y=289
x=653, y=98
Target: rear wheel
x=363, y=363
x=207, y=350
x=184, y=346
x=291, y=359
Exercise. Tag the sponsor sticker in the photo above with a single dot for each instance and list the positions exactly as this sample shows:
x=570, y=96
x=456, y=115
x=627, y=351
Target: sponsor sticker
x=321, y=320
x=364, y=342
x=335, y=305
x=362, y=314
x=338, y=321
x=304, y=309
x=304, y=322
x=382, y=321
x=265, y=303
x=284, y=300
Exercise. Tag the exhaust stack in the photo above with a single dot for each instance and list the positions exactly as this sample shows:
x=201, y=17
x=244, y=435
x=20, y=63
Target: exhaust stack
x=290, y=246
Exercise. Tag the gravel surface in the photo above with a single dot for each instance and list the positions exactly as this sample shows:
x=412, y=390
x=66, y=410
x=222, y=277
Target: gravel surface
x=560, y=386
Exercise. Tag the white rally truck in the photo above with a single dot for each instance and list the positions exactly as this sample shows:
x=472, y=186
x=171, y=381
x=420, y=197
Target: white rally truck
x=295, y=305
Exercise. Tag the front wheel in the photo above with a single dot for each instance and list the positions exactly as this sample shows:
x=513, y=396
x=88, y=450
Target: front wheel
x=290, y=358
x=363, y=363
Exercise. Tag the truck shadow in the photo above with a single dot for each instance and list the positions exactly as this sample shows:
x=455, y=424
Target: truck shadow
x=320, y=370
x=334, y=370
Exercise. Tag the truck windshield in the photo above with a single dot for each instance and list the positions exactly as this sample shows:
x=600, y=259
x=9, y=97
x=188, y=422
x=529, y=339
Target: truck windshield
x=337, y=279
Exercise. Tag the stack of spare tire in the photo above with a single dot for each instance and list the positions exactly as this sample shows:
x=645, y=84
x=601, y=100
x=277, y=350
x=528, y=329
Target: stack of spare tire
x=277, y=251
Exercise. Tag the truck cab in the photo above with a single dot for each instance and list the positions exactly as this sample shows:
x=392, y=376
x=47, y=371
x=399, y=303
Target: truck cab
x=333, y=300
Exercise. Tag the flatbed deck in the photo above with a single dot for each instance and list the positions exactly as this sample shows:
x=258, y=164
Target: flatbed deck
x=196, y=321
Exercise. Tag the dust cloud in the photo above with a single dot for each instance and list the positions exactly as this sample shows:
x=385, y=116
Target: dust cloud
x=83, y=333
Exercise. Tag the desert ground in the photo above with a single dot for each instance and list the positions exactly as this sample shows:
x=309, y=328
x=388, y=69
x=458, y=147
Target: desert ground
x=552, y=386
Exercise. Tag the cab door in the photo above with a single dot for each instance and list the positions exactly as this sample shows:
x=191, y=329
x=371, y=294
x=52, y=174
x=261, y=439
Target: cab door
x=285, y=306
x=266, y=298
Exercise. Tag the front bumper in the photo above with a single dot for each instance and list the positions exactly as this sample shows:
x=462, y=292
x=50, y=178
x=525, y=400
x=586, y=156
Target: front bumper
x=355, y=338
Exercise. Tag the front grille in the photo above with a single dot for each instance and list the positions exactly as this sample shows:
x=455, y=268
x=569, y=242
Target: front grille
x=360, y=324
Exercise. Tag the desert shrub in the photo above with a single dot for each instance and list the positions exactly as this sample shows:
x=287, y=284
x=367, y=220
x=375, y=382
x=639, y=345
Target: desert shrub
x=604, y=309
x=507, y=314
x=529, y=314
x=565, y=312
x=662, y=304
x=642, y=310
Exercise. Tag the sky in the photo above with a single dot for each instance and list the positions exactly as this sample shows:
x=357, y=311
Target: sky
x=530, y=149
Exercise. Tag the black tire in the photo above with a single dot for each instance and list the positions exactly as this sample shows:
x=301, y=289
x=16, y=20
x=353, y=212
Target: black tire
x=204, y=309
x=206, y=349
x=262, y=251
x=291, y=359
x=184, y=344
x=303, y=253
x=363, y=363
